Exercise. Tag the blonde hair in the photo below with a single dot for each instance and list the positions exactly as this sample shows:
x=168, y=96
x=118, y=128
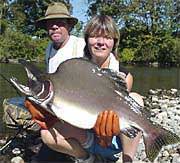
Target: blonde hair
x=101, y=25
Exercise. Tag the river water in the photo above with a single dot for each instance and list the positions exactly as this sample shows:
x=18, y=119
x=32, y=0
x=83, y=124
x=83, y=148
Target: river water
x=145, y=78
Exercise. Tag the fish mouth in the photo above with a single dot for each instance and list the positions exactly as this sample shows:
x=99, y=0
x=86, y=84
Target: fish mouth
x=38, y=91
x=22, y=88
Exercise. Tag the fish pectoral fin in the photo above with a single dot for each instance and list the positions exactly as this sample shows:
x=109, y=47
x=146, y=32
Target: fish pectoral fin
x=130, y=131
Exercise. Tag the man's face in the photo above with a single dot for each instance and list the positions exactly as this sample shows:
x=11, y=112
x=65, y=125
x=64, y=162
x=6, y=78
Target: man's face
x=58, y=31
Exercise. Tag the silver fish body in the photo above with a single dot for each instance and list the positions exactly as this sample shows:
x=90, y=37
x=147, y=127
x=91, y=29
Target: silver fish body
x=85, y=93
x=79, y=91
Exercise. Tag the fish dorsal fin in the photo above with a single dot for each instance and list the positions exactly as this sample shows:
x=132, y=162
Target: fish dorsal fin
x=118, y=80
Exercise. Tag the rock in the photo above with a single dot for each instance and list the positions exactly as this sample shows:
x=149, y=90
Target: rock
x=161, y=116
x=165, y=153
x=152, y=92
x=176, y=158
x=155, y=111
x=173, y=91
x=16, y=151
x=17, y=159
x=164, y=106
x=155, y=99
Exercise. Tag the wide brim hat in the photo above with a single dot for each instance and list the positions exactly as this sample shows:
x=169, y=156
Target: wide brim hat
x=56, y=11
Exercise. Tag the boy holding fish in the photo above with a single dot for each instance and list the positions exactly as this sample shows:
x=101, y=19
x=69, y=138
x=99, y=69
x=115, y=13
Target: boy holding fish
x=99, y=46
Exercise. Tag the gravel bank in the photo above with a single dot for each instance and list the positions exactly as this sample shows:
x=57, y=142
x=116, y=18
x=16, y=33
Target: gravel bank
x=164, y=107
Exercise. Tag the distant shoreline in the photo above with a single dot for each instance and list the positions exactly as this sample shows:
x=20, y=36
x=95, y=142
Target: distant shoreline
x=147, y=64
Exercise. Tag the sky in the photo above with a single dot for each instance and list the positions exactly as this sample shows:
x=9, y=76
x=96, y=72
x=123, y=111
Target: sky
x=79, y=9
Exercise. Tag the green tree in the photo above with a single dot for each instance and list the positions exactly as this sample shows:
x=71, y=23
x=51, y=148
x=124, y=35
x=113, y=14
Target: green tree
x=23, y=13
x=18, y=45
x=3, y=12
x=169, y=53
x=142, y=25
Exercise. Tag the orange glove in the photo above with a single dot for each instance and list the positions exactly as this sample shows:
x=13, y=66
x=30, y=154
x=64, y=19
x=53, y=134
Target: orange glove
x=107, y=126
x=40, y=116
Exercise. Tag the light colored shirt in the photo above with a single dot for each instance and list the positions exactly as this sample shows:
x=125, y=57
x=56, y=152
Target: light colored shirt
x=114, y=63
x=74, y=48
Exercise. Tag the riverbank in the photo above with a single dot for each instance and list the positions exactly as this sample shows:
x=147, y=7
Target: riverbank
x=164, y=109
x=147, y=64
x=16, y=61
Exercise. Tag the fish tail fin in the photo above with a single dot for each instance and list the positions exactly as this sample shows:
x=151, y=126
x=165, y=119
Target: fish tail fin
x=155, y=140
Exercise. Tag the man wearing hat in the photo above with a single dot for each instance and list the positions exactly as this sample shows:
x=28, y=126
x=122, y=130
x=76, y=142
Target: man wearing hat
x=58, y=22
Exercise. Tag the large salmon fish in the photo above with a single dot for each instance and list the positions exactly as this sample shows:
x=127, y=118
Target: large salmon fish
x=78, y=91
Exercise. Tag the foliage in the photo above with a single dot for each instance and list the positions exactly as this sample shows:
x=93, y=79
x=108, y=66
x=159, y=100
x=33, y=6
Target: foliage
x=41, y=44
x=22, y=14
x=147, y=50
x=150, y=28
x=169, y=51
x=77, y=30
x=176, y=52
x=3, y=11
x=18, y=45
x=127, y=55
x=3, y=26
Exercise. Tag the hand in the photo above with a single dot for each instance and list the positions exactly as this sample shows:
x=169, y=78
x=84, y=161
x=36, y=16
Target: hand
x=107, y=126
x=40, y=116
